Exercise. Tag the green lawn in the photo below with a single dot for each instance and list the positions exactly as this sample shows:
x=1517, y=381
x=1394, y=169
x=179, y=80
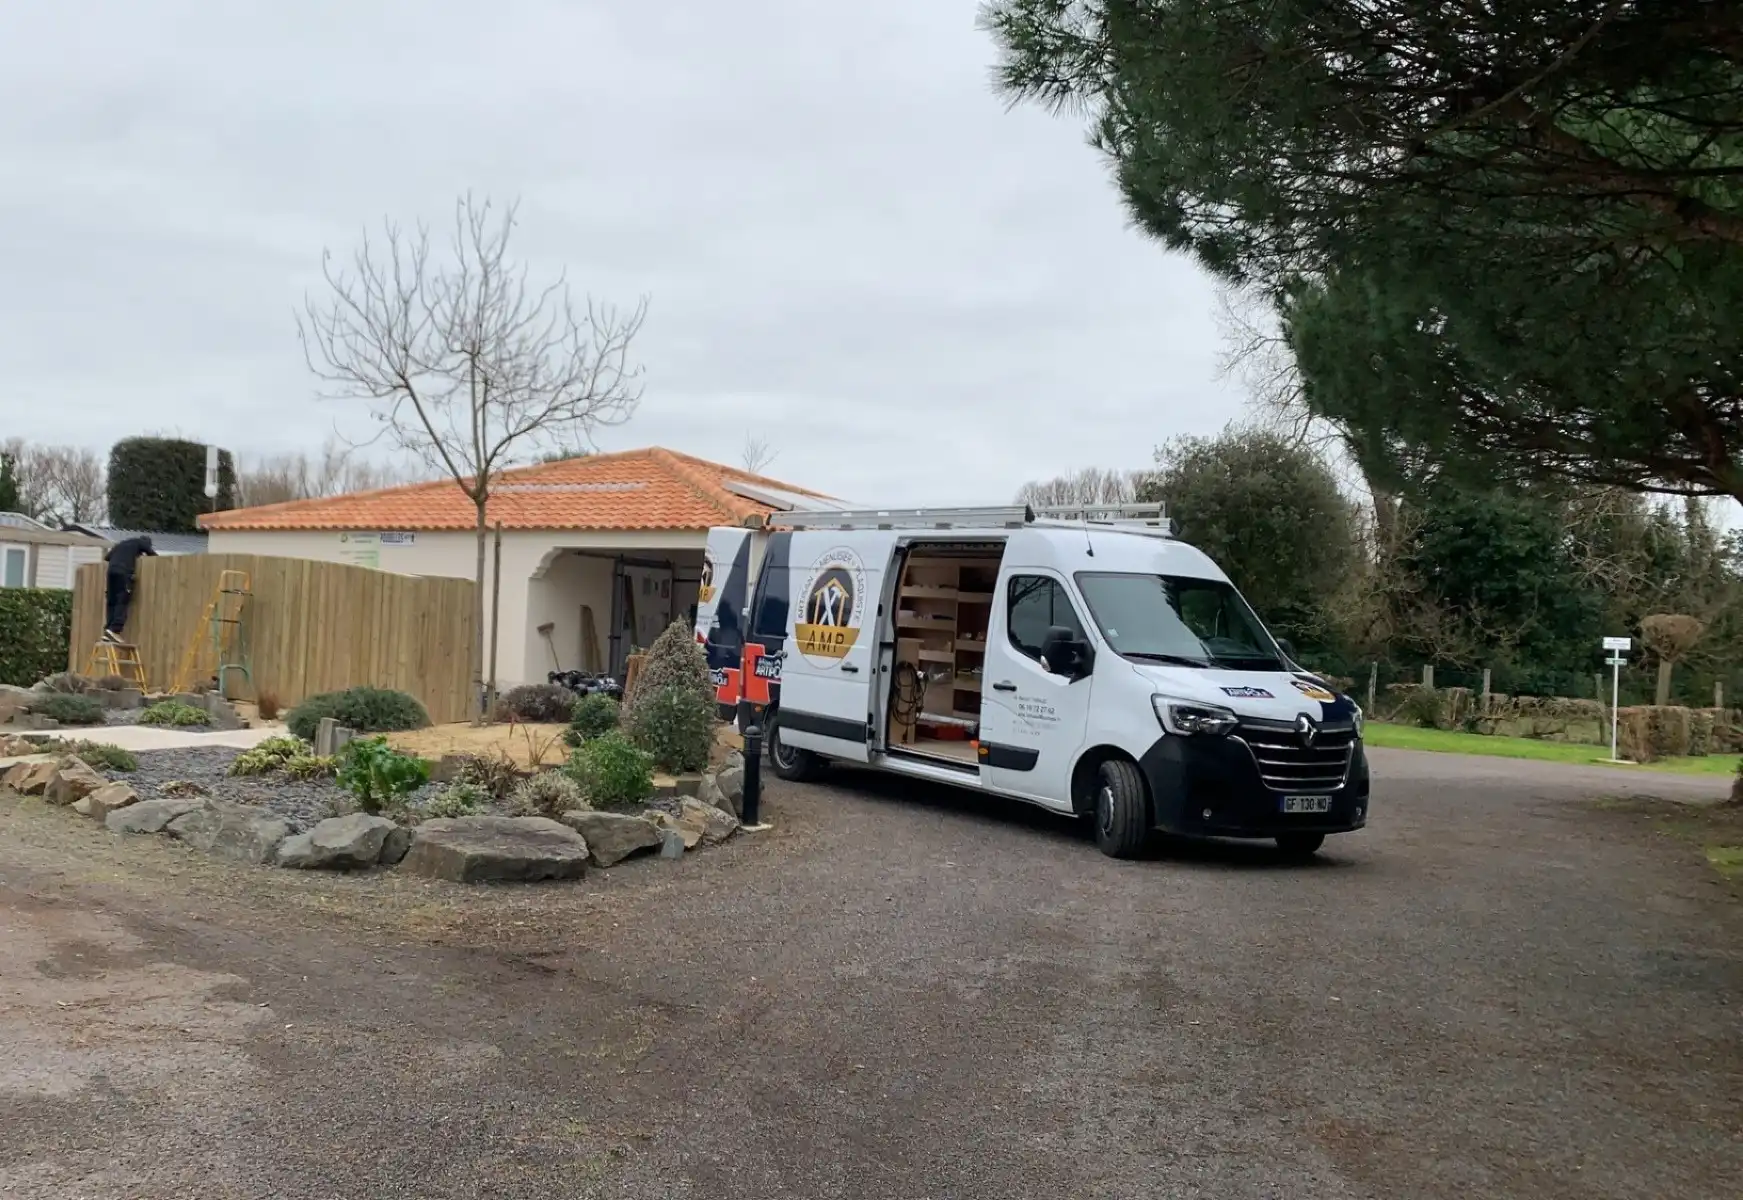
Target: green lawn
x=1407, y=737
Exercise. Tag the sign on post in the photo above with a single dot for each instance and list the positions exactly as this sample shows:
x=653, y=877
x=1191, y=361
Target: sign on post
x=1617, y=648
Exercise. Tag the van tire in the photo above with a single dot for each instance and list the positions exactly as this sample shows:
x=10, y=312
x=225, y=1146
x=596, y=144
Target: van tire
x=789, y=762
x=1299, y=847
x=1122, y=809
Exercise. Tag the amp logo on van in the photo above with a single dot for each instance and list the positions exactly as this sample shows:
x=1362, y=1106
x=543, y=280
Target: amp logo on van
x=829, y=609
x=705, y=593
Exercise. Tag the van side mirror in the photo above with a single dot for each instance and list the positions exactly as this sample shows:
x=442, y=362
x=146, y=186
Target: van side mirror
x=1064, y=653
x=1287, y=646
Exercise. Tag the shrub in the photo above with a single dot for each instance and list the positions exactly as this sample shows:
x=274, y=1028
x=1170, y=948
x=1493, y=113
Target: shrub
x=365, y=709
x=36, y=625
x=495, y=775
x=547, y=794
x=455, y=800
x=174, y=712
x=540, y=703
x=69, y=683
x=1422, y=706
x=98, y=754
x=68, y=709
x=269, y=756
x=1649, y=732
x=674, y=660
x=378, y=776
x=114, y=683
x=613, y=771
x=676, y=727
x=311, y=766
x=266, y=704
x=594, y=714
x=159, y=484
x=1701, y=725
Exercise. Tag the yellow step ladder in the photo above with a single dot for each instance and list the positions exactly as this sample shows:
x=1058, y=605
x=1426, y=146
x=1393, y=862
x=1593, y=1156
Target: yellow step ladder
x=217, y=645
x=117, y=658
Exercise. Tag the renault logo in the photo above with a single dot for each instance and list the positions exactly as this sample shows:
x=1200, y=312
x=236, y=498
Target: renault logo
x=1306, y=730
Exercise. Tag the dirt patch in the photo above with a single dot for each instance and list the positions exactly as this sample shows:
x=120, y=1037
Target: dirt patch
x=527, y=745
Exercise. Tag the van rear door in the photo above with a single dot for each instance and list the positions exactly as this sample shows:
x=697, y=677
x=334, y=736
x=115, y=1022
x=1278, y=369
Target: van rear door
x=831, y=658
x=720, y=604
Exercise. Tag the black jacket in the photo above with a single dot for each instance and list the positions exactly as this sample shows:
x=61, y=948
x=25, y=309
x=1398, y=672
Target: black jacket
x=124, y=556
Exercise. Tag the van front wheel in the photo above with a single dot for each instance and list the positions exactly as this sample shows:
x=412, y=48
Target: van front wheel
x=1122, y=809
x=789, y=762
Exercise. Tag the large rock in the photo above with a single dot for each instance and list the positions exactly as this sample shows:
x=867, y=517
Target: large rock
x=235, y=831
x=16, y=745
x=105, y=800
x=35, y=779
x=613, y=837
x=72, y=781
x=496, y=849
x=717, y=825
x=349, y=843
x=152, y=816
x=395, y=846
x=16, y=774
x=712, y=795
x=730, y=780
x=688, y=829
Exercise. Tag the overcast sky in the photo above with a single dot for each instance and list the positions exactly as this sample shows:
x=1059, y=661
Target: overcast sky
x=852, y=248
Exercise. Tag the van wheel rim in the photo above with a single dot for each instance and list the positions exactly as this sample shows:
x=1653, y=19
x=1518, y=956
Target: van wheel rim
x=1104, y=809
x=783, y=755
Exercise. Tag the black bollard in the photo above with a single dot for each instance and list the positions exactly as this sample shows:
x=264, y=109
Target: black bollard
x=753, y=773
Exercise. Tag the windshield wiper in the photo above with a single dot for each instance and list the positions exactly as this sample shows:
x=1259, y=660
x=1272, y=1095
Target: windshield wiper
x=1178, y=660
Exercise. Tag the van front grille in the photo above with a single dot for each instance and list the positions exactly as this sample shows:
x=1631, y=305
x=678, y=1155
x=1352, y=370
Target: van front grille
x=1286, y=765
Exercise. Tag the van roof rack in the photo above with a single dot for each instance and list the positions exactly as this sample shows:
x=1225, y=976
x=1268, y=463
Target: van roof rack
x=1149, y=519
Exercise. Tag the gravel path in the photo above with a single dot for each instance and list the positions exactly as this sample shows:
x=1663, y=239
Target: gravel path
x=1501, y=989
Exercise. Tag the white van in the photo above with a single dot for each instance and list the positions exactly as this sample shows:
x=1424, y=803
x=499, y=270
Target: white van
x=1084, y=661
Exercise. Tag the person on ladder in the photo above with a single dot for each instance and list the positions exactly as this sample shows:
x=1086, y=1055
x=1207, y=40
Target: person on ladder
x=123, y=559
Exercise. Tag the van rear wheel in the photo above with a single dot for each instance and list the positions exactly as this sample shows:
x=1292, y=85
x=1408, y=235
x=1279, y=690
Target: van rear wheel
x=1122, y=809
x=789, y=762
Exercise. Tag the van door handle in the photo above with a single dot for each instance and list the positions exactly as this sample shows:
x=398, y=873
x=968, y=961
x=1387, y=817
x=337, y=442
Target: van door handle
x=849, y=669
x=1004, y=685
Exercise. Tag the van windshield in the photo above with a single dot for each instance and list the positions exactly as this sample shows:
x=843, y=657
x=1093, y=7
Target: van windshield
x=1179, y=621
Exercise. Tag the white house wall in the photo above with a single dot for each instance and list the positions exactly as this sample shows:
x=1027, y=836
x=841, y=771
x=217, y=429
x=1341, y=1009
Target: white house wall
x=539, y=583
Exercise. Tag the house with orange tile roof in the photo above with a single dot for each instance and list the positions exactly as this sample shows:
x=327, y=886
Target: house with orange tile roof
x=599, y=553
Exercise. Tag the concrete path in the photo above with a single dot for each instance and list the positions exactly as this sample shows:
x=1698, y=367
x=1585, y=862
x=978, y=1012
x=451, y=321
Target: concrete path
x=153, y=737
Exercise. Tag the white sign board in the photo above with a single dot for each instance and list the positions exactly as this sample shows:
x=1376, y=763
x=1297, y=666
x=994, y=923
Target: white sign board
x=1618, y=643
x=211, y=472
x=398, y=539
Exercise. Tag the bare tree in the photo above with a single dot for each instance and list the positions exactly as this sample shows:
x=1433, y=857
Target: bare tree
x=757, y=454
x=336, y=471
x=1092, y=485
x=58, y=483
x=465, y=365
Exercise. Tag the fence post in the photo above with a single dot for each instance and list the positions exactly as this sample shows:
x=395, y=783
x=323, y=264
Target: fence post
x=1373, y=683
x=1718, y=694
x=1485, y=709
x=1428, y=676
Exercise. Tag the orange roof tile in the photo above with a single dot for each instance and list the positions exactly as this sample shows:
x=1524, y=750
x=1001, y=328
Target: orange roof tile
x=652, y=488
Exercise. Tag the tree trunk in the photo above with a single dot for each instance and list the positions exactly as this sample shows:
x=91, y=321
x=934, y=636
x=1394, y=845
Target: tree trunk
x=1662, y=696
x=476, y=649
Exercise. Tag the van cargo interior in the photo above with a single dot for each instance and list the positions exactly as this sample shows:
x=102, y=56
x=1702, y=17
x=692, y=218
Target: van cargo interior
x=943, y=607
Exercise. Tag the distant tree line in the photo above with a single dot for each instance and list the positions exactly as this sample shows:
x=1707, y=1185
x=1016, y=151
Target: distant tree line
x=1522, y=579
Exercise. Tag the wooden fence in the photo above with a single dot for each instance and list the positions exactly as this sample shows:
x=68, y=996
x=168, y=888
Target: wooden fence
x=311, y=627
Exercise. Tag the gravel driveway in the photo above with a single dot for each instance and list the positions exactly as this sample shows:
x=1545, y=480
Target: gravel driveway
x=1504, y=988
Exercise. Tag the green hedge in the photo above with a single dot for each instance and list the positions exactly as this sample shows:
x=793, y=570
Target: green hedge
x=159, y=484
x=36, y=625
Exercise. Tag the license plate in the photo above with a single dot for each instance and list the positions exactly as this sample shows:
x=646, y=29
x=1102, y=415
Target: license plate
x=1306, y=804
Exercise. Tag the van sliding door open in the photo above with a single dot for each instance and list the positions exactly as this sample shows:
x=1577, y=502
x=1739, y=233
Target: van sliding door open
x=827, y=677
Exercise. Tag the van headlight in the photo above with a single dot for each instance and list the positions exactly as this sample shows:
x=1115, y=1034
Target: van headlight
x=1356, y=717
x=1188, y=717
